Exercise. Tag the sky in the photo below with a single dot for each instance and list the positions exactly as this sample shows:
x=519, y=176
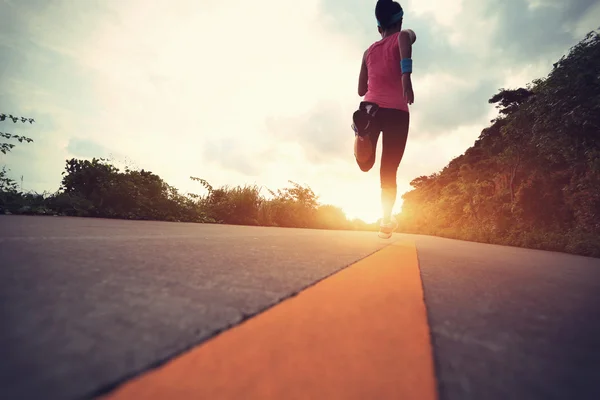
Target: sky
x=259, y=92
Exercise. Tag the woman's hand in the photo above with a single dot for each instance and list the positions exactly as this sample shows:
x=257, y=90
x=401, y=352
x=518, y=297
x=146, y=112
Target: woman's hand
x=408, y=89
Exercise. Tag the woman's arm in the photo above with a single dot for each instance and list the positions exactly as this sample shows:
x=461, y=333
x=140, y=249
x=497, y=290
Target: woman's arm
x=405, y=41
x=363, y=85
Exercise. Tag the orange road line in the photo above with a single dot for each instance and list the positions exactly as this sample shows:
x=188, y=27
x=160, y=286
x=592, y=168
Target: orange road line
x=361, y=333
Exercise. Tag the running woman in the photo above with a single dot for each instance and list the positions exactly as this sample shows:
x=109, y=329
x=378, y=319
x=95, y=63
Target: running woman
x=385, y=83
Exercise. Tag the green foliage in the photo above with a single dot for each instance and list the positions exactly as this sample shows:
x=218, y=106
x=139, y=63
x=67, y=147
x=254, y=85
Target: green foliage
x=98, y=189
x=332, y=217
x=533, y=177
x=237, y=206
x=295, y=206
x=8, y=186
x=6, y=138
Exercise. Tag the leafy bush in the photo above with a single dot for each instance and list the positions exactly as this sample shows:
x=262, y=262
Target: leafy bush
x=96, y=188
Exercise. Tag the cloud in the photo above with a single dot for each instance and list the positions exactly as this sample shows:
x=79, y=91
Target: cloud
x=85, y=148
x=587, y=22
x=447, y=102
x=529, y=30
x=323, y=132
x=242, y=155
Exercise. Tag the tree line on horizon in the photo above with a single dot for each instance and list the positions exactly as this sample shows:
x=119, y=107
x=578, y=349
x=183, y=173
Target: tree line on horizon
x=531, y=179
x=96, y=188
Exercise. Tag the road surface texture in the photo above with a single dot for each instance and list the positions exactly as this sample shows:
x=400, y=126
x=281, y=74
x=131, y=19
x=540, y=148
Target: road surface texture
x=510, y=323
x=89, y=303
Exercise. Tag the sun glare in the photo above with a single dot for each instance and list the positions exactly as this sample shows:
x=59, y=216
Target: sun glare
x=356, y=209
x=368, y=217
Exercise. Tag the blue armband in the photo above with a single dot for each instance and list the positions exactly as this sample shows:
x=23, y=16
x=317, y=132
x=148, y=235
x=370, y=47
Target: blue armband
x=406, y=65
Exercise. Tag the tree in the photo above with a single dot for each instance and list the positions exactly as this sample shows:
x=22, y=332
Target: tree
x=7, y=143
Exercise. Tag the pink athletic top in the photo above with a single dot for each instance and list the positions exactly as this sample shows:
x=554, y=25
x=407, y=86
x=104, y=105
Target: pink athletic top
x=385, y=74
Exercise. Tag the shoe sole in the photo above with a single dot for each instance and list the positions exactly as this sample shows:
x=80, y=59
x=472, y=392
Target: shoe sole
x=385, y=235
x=362, y=151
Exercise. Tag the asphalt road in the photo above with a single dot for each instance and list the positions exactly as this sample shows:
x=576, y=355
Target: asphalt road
x=510, y=323
x=86, y=303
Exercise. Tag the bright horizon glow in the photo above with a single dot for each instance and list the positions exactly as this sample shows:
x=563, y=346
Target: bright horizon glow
x=245, y=92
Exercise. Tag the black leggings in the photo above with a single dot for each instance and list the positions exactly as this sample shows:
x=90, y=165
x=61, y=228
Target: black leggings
x=394, y=126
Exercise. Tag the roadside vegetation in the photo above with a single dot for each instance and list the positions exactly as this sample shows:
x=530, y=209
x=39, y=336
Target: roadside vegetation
x=96, y=188
x=531, y=179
